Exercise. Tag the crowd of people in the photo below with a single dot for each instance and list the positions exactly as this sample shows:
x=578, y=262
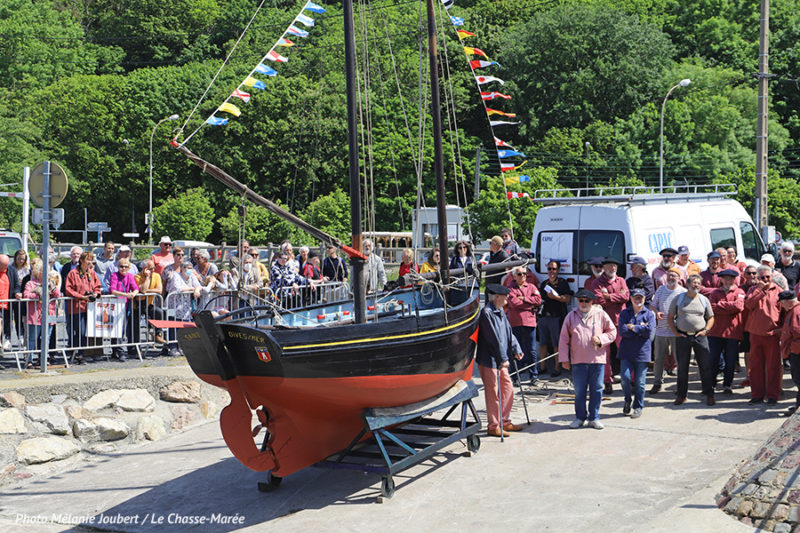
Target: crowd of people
x=620, y=328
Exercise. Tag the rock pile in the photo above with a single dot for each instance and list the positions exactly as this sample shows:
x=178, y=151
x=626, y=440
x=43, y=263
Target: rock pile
x=64, y=427
x=764, y=492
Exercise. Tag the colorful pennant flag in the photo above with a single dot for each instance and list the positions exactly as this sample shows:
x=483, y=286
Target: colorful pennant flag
x=480, y=63
x=245, y=97
x=311, y=6
x=475, y=52
x=490, y=112
x=495, y=123
x=488, y=79
x=457, y=21
x=275, y=56
x=214, y=121
x=230, y=108
x=511, y=195
x=254, y=83
x=509, y=153
x=305, y=20
x=492, y=95
x=464, y=34
x=498, y=142
x=448, y=3
x=265, y=70
x=517, y=179
x=505, y=167
x=285, y=42
x=294, y=30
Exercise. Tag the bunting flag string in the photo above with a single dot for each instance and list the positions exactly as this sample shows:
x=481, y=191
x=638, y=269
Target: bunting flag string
x=261, y=68
x=504, y=150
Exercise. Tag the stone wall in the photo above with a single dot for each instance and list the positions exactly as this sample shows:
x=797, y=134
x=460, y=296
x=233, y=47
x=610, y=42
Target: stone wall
x=44, y=428
x=764, y=492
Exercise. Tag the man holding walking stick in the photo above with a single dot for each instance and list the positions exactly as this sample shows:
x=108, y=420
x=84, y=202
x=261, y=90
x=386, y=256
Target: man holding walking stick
x=496, y=346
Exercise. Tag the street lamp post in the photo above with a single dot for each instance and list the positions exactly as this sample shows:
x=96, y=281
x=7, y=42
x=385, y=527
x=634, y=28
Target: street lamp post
x=150, y=208
x=683, y=83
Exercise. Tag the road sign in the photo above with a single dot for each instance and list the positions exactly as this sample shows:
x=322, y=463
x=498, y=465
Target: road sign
x=101, y=227
x=131, y=235
x=56, y=216
x=58, y=185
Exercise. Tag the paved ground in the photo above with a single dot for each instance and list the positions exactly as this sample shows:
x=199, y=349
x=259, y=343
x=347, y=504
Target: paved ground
x=657, y=473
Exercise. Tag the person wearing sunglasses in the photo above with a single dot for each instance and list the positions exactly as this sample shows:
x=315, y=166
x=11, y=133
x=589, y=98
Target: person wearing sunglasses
x=668, y=256
x=763, y=323
x=611, y=293
x=163, y=257
x=583, y=344
x=556, y=294
x=462, y=257
x=595, y=265
x=690, y=317
x=496, y=346
x=523, y=303
x=788, y=266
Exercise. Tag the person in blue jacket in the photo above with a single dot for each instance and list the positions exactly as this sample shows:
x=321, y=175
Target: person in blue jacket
x=496, y=346
x=636, y=323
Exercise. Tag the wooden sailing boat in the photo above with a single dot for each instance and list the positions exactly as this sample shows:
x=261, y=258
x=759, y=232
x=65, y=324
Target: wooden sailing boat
x=310, y=374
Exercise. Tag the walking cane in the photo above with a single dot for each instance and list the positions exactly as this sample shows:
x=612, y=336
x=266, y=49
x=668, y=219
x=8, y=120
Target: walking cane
x=500, y=403
x=522, y=391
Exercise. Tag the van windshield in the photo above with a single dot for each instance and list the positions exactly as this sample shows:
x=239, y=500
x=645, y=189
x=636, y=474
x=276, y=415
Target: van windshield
x=9, y=245
x=602, y=243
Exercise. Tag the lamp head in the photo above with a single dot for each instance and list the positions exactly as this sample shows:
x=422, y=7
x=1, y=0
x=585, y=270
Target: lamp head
x=685, y=82
x=176, y=117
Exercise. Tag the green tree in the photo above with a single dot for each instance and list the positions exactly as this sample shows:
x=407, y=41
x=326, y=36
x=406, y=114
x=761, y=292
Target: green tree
x=331, y=213
x=261, y=226
x=186, y=216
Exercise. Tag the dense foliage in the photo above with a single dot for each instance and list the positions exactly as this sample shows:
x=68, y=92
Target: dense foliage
x=84, y=82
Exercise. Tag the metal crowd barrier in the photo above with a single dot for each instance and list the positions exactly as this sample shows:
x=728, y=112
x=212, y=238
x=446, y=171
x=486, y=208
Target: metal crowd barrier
x=109, y=324
x=306, y=295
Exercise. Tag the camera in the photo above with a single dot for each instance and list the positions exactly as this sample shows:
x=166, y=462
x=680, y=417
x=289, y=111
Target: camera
x=91, y=295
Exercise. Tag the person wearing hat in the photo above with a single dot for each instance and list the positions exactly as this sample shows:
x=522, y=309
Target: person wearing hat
x=163, y=257
x=790, y=340
x=611, y=293
x=688, y=266
x=763, y=323
x=583, y=344
x=311, y=270
x=690, y=317
x=667, y=261
x=635, y=325
x=640, y=279
x=777, y=277
x=523, y=303
x=496, y=345
x=596, y=269
x=788, y=266
x=664, y=342
x=724, y=337
x=710, y=276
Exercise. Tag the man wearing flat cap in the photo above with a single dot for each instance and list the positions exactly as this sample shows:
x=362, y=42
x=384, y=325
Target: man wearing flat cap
x=667, y=261
x=496, y=346
x=611, y=293
x=596, y=270
x=583, y=344
x=710, y=276
x=640, y=279
x=724, y=337
x=790, y=340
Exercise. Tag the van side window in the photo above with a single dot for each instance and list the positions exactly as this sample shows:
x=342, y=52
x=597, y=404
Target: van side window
x=753, y=248
x=602, y=243
x=722, y=237
x=558, y=245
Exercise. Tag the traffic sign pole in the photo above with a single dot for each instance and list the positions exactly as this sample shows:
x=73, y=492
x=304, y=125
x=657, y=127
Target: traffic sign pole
x=45, y=268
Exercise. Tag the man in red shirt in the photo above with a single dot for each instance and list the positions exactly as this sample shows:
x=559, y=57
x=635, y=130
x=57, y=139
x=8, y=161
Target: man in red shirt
x=710, y=276
x=763, y=319
x=727, y=302
x=790, y=340
x=611, y=293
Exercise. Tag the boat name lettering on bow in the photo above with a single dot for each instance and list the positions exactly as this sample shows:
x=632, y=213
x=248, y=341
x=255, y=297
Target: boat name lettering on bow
x=241, y=335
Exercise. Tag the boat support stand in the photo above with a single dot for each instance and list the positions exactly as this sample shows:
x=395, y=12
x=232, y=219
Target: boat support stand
x=407, y=435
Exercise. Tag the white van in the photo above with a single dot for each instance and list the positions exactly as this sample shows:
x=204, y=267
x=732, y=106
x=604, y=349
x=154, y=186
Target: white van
x=635, y=221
